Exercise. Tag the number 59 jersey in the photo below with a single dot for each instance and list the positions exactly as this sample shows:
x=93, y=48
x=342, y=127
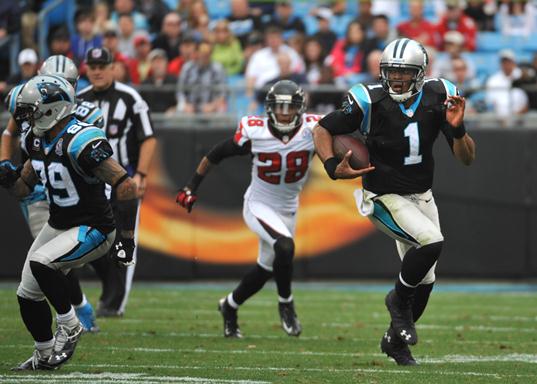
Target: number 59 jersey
x=279, y=166
x=64, y=166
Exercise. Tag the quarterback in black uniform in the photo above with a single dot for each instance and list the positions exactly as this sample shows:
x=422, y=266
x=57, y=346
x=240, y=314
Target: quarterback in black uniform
x=400, y=118
x=35, y=206
x=73, y=162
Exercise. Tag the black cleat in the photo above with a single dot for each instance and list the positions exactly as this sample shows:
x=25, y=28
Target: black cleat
x=34, y=363
x=65, y=344
x=402, y=320
x=231, y=326
x=103, y=311
x=290, y=323
x=392, y=346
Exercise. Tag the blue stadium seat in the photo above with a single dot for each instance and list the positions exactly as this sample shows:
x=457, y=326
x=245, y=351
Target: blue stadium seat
x=530, y=43
x=486, y=63
x=492, y=41
x=302, y=8
x=218, y=9
x=311, y=24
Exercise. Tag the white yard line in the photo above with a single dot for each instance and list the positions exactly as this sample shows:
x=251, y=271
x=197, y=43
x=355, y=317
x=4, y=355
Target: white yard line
x=123, y=378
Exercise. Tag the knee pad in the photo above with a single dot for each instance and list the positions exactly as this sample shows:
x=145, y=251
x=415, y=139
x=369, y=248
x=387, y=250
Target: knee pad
x=28, y=293
x=429, y=237
x=284, y=249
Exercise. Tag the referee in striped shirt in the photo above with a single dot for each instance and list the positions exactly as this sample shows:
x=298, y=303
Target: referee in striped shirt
x=130, y=133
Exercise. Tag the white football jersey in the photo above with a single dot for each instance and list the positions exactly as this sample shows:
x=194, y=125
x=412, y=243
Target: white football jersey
x=279, y=167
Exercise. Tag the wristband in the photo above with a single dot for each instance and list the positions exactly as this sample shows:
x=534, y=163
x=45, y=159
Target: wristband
x=195, y=181
x=458, y=132
x=330, y=166
x=127, y=212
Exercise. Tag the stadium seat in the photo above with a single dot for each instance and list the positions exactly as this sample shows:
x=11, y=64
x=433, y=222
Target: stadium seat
x=218, y=9
x=311, y=24
x=492, y=41
x=486, y=63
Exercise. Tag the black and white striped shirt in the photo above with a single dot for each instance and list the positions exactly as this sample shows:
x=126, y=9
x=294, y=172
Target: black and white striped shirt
x=127, y=122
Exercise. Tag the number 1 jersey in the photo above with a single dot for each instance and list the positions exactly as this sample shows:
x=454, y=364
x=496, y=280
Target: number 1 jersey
x=64, y=167
x=399, y=139
x=279, y=166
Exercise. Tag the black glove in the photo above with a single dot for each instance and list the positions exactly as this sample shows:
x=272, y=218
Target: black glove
x=8, y=173
x=123, y=251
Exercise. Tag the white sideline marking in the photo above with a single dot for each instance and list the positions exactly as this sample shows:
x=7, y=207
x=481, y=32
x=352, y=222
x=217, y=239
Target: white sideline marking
x=126, y=378
x=513, y=357
x=482, y=328
x=290, y=369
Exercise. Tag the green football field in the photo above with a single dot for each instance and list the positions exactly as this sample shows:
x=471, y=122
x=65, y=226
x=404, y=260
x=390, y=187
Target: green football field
x=172, y=333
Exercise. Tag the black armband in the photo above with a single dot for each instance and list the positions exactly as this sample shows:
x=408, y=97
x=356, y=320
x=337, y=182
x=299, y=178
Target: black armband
x=458, y=132
x=120, y=180
x=127, y=212
x=195, y=181
x=330, y=166
x=226, y=148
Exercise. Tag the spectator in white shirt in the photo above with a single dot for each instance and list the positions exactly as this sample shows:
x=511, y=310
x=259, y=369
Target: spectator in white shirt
x=263, y=65
x=505, y=100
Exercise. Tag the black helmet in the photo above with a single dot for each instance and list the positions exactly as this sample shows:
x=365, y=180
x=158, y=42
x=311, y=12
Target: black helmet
x=288, y=98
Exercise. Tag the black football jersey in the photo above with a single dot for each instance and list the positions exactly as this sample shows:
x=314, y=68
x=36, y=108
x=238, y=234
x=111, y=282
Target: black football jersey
x=65, y=166
x=400, y=140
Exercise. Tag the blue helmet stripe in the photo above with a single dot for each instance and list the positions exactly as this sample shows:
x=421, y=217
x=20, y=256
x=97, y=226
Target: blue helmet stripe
x=13, y=100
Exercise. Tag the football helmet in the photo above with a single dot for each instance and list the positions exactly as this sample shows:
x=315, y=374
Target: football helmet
x=403, y=55
x=11, y=101
x=285, y=97
x=59, y=65
x=46, y=100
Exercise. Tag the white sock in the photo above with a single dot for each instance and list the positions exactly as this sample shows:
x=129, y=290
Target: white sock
x=232, y=302
x=82, y=303
x=44, y=347
x=285, y=301
x=69, y=319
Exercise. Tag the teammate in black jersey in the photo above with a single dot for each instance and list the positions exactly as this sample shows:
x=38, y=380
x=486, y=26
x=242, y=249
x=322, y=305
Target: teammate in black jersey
x=35, y=206
x=73, y=162
x=401, y=117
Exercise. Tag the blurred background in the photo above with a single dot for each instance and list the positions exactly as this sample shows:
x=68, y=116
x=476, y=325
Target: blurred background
x=202, y=64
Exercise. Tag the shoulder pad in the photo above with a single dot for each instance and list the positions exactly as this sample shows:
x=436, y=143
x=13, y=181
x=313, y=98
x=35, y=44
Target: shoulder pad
x=81, y=139
x=441, y=87
x=364, y=96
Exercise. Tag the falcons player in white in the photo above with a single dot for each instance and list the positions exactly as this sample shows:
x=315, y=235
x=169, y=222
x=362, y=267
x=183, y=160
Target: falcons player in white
x=281, y=146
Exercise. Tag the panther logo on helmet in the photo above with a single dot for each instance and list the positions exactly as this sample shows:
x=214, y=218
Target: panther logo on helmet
x=52, y=93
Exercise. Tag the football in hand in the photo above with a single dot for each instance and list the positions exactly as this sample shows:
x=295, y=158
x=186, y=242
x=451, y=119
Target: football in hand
x=341, y=144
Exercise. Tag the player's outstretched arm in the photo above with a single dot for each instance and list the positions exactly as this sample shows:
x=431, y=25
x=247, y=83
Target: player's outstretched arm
x=20, y=182
x=463, y=145
x=125, y=189
x=10, y=140
x=336, y=169
x=227, y=148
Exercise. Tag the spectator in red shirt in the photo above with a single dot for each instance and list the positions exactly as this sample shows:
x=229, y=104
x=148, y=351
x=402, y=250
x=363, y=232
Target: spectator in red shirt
x=140, y=63
x=418, y=28
x=347, y=56
x=455, y=20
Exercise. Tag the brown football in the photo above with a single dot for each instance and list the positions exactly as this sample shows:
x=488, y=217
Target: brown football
x=360, y=155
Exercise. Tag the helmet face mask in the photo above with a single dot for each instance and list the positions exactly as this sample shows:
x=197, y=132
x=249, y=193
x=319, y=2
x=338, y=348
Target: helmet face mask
x=284, y=104
x=45, y=101
x=402, y=69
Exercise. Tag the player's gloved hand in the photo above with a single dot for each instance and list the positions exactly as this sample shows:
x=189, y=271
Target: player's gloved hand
x=123, y=251
x=9, y=173
x=186, y=198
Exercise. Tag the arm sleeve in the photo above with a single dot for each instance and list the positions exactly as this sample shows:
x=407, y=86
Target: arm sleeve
x=94, y=154
x=345, y=120
x=227, y=148
x=140, y=119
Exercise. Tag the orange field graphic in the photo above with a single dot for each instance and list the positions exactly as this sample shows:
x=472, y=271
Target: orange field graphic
x=327, y=219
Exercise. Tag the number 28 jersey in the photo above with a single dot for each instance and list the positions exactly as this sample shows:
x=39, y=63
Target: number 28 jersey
x=64, y=166
x=279, y=166
x=400, y=140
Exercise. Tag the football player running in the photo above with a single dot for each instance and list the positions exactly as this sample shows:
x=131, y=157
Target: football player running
x=73, y=161
x=281, y=146
x=35, y=206
x=401, y=117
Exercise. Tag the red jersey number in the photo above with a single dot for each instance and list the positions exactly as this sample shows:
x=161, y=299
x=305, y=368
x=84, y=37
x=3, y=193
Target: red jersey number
x=297, y=166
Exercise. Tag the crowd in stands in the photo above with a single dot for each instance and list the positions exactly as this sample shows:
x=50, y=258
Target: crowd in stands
x=188, y=56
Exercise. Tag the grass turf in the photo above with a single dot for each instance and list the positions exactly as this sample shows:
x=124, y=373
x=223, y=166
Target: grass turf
x=173, y=334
